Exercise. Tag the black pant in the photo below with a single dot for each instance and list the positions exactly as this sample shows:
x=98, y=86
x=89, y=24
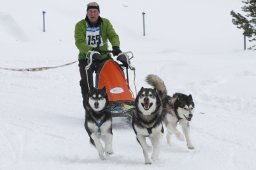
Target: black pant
x=96, y=65
x=83, y=82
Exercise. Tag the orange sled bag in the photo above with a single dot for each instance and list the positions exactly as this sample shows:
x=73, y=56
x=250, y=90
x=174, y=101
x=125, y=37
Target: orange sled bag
x=120, y=96
x=112, y=77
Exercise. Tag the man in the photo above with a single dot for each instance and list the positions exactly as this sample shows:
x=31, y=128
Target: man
x=92, y=34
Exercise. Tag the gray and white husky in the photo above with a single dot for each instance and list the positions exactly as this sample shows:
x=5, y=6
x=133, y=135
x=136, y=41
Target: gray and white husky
x=147, y=122
x=98, y=121
x=176, y=109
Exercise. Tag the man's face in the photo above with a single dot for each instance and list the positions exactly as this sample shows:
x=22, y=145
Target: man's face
x=93, y=15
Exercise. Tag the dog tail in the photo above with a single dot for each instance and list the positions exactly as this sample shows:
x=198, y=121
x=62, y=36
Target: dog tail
x=157, y=83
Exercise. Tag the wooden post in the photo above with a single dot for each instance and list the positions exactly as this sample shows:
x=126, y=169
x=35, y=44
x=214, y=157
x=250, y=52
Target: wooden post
x=143, y=16
x=44, y=21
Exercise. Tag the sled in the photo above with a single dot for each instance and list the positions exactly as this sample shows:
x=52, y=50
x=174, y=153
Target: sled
x=110, y=74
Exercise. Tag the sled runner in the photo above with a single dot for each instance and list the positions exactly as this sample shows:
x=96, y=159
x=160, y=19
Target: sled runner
x=110, y=74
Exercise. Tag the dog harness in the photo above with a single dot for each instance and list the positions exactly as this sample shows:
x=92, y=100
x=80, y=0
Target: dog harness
x=100, y=121
x=143, y=124
x=150, y=130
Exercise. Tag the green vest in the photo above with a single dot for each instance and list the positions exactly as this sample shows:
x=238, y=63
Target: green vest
x=107, y=33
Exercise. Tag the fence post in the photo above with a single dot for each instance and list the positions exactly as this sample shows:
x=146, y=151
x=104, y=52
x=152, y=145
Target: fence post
x=44, y=21
x=143, y=16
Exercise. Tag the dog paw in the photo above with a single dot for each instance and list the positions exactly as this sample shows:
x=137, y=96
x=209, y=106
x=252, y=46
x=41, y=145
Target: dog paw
x=102, y=155
x=191, y=147
x=148, y=162
x=109, y=152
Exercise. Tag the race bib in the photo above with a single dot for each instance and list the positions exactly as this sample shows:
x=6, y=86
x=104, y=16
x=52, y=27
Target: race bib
x=93, y=37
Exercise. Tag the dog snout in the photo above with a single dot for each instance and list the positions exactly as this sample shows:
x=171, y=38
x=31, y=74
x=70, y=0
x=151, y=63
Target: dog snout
x=96, y=104
x=146, y=99
x=190, y=115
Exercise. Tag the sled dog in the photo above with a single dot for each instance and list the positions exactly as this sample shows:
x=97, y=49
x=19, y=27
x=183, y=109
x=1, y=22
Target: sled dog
x=98, y=121
x=176, y=109
x=147, y=122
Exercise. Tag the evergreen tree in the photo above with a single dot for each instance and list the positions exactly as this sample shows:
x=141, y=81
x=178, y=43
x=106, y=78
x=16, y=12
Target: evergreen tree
x=248, y=22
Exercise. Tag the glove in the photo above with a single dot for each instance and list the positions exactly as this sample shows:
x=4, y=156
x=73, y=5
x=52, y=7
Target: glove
x=122, y=58
x=116, y=51
x=96, y=57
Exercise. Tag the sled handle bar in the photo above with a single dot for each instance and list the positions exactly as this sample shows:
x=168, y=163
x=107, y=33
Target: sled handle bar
x=125, y=53
x=89, y=57
x=90, y=54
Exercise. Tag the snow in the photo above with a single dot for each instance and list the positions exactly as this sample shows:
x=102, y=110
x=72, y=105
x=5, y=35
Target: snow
x=193, y=46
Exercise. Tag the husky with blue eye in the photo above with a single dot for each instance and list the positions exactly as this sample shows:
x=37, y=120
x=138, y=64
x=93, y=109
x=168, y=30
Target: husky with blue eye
x=176, y=109
x=147, y=122
x=98, y=121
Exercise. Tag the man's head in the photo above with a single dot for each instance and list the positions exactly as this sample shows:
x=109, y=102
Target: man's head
x=93, y=11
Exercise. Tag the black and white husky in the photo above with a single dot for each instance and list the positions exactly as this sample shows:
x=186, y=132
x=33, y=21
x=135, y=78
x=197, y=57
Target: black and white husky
x=176, y=109
x=98, y=121
x=147, y=122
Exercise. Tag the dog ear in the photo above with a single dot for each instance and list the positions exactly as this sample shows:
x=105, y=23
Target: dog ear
x=142, y=88
x=190, y=97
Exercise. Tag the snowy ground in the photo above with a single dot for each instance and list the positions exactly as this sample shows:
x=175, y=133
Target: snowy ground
x=192, y=46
